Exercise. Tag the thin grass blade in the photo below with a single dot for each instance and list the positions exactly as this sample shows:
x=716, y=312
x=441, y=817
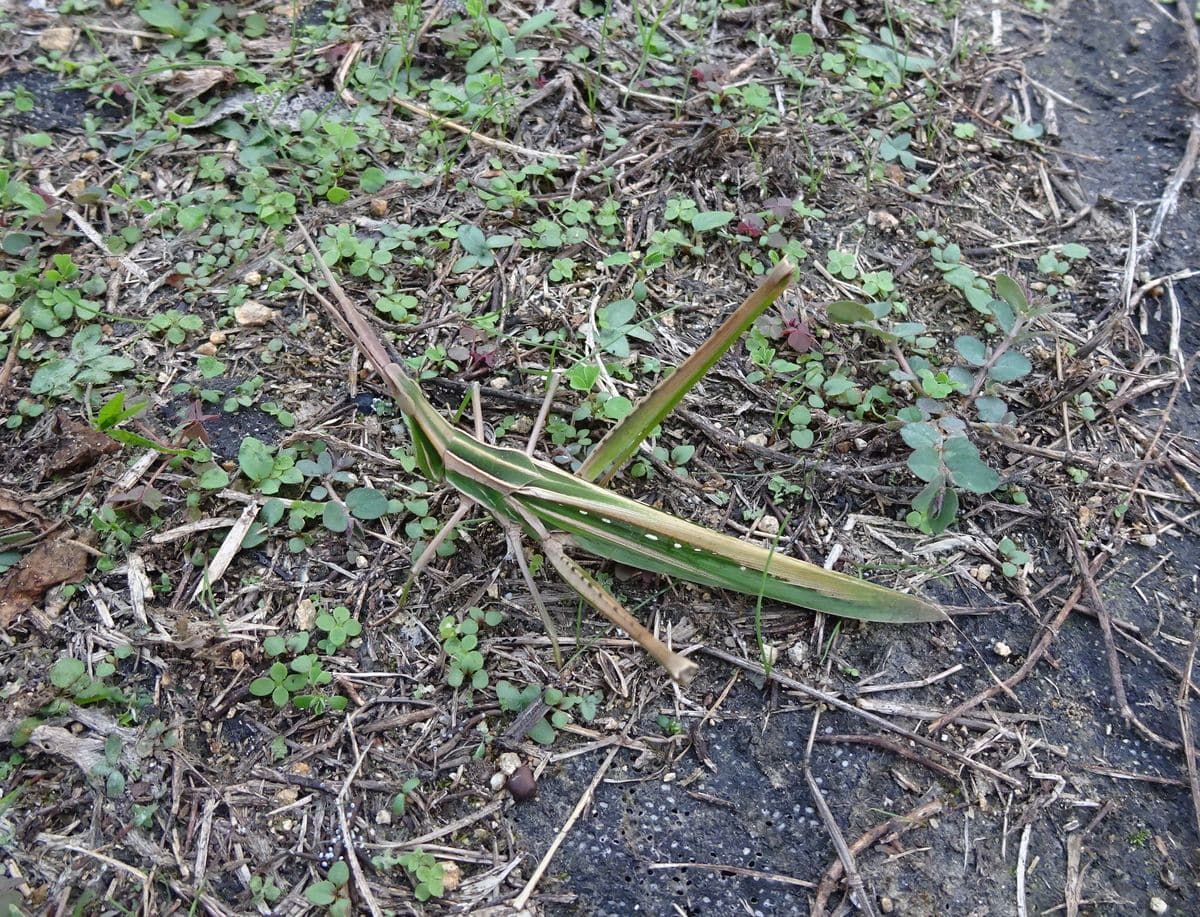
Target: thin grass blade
x=623, y=439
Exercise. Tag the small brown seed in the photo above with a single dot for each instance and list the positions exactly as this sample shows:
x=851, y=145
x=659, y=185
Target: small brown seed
x=521, y=784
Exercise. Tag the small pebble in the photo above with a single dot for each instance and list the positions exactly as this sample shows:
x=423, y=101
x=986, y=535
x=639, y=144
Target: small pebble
x=1157, y=905
x=887, y=222
x=206, y=350
x=798, y=653
x=983, y=572
x=252, y=279
x=59, y=39
x=768, y=524
x=757, y=439
x=217, y=338
x=451, y=875
x=253, y=314
x=497, y=782
x=383, y=817
x=508, y=763
x=378, y=207
x=1147, y=540
x=886, y=905
x=1002, y=649
x=770, y=654
x=521, y=784
x=306, y=614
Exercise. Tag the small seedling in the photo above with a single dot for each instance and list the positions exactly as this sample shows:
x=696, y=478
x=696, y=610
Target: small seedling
x=277, y=644
x=617, y=326
x=460, y=642
x=264, y=890
x=339, y=626
x=332, y=892
x=87, y=363
x=1014, y=557
x=425, y=873
x=400, y=800
x=174, y=325
x=70, y=676
x=267, y=469
x=545, y=729
x=669, y=725
x=295, y=682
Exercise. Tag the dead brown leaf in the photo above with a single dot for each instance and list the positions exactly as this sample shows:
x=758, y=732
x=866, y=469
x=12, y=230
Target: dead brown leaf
x=51, y=563
x=78, y=446
x=188, y=84
x=15, y=509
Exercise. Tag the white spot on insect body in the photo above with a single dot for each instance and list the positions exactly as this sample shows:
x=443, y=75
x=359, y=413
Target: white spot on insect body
x=606, y=521
x=651, y=537
x=678, y=545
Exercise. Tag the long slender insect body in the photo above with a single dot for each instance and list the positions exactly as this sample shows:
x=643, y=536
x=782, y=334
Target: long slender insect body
x=632, y=533
x=786, y=579
x=558, y=508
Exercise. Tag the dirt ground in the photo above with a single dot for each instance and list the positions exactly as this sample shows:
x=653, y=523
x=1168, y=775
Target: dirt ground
x=1025, y=757
x=751, y=808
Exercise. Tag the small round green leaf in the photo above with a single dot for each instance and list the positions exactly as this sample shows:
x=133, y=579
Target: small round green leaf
x=617, y=406
x=334, y=517
x=65, y=672
x=971, y=349
x=366, y=503
x=920, y=435
x=1010, y=366
x=847, y=312
x=261, y=687
x=255, y=459
x=925, y=464
x=711, y=219
x=322, y=894
x=967, y=469
x=1010, y=291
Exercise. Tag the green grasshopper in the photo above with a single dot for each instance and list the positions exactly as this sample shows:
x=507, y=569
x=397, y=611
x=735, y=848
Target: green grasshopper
x=560, y=510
